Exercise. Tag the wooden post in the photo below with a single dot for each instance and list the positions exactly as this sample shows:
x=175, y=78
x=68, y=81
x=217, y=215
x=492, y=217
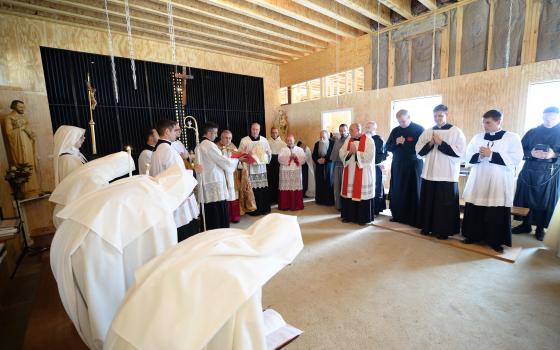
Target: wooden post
x=409, y=79
x=391, y=63
x=458, y=41
x=531, y=31
x=444, y=57
x=489, y=57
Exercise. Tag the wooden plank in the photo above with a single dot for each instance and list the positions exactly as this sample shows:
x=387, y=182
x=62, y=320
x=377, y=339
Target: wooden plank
x=531, y=31
x=458, y=41
x=409, y=79
x=490, y=36
x=444, y=54
x=391, y=63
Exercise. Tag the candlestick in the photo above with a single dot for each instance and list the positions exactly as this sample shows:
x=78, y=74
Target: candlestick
x=147, y=168
x=129, y=151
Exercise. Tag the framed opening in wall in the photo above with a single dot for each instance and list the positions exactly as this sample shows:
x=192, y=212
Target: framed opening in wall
x=330, y=120
x=419, y=108
x=541, y=95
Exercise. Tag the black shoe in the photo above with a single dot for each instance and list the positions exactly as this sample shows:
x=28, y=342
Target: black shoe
x=539, y=234
x=424, y=233
x=498, y=248
x=441, y=237
x=393, y=220
x=469, y=241
x=346, y=220
x=523, y=228
x=253, y=213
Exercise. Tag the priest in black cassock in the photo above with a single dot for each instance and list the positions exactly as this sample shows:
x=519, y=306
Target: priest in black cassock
x=493, y=156
x=358, y=177
x=380, y=156
x=273, y=168
x=406, y=168
x=323, y=169
x=443, y=147
x=538, y=184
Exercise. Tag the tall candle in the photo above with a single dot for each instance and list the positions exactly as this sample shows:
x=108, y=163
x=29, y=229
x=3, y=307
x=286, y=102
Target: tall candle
x=147, y=168
x=129, y=151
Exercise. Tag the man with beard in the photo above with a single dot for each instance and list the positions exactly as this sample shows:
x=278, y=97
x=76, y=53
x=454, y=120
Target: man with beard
x=323, y=169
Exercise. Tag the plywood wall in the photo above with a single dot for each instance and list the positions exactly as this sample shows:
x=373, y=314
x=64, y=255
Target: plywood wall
x=21, y=71
x=468, y=97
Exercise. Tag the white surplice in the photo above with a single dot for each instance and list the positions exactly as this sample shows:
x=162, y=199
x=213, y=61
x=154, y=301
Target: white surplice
x=216, y=168
x=204, y=293
x=258, y=149
x=228, y=151
x=290, y=171
x=144, y=159
x=90, y=177
x=163, y=157
x=490, y=184
x=106, y=235
x=276, y=144
x=439, y=166
x=364, y=160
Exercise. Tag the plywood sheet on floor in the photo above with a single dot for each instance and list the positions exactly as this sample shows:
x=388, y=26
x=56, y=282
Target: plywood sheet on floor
x=509, y=254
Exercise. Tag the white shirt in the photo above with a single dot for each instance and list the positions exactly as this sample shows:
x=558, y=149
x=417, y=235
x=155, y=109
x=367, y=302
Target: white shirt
x=204, y=293
x=290, y=171
x=364, y=160
x=439, y=166
x=491, y=184
x=215, y=167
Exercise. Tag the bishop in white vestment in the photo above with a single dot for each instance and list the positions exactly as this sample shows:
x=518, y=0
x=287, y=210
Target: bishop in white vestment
x=205, y=293
x=259, y=149
x=106, y=235
x=213, y=179
x=443, y=148
x=358, y=177
x=290, y=192
x=493, y=157
x=88, y=178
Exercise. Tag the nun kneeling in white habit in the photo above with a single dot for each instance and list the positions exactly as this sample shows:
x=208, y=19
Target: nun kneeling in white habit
x=106, y=235
x=66, y=153
x=205, y=293
x=89, y=178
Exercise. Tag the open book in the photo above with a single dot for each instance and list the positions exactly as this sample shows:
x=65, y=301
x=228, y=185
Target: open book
x=278, y=332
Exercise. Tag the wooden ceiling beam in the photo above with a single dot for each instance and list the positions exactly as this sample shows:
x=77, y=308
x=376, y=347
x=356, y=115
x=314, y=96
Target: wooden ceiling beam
x=159, y=22
x=291, y=9
x=369, y=9
x=340, y=13
x=402, y=7
x=183, y=16
x=430, y=4
x=223, y=15
x=69, y=17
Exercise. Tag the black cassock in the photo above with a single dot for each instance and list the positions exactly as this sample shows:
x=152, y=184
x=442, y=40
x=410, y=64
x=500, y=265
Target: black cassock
x=304, y=173
x=380, y=155
x=324, y=193
x=273, y=177
x=538, y=184
x=406, y=169
x=217, y=215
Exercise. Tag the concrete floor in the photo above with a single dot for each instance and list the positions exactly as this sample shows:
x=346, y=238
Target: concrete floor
x=361, y=287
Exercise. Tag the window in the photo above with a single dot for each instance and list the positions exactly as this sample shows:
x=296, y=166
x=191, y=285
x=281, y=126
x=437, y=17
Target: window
x=330, y=120
x=419, y=108
x=359, y=84
x=541, y=95
x=299, y=92
x=284, y=96
x=314, y=89
x=339, y=84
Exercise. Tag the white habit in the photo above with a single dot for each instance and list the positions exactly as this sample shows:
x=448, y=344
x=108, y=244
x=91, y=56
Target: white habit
x=106, y=235
x=205, y=292
x=89, y=178
x=165, y=156
x=66, y=157
x=258, y=149
x=490, y=184
x=216, y=169
x=364, y=160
